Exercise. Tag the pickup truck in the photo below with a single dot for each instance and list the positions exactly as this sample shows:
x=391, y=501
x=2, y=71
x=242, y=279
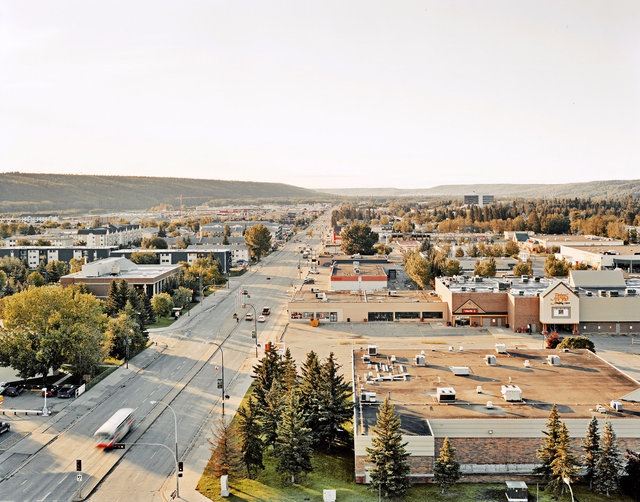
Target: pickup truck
x=4, y=427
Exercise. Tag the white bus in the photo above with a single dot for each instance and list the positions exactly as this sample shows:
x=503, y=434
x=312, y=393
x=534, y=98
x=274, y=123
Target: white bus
x=115, y=428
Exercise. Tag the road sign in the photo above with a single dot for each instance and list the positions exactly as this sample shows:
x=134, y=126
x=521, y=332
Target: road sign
x=78, y=465
x=79, y=478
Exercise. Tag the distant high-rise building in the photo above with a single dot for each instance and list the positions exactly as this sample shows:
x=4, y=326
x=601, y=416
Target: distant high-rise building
x=478, y=200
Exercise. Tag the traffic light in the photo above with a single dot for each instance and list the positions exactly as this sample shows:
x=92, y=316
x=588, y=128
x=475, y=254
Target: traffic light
x=180, y=467
x=119, y=446
x=78, y=465
x=219, y=383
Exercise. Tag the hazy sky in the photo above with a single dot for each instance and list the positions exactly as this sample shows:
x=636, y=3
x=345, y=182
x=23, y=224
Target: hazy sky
x=323, y=94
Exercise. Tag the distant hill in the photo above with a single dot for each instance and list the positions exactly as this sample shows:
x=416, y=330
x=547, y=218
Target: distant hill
x=592, y=189
x=21, y=192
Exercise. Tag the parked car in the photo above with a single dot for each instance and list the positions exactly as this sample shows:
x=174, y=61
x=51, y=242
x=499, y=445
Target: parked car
x=13, y=390
x=244, y=291
x=266, y=310
x=4, y=427
x=67, y=390
x=248, y=317
x=309, y=280
x=262, y=318
x=268, y=278
x=51, y=391
x=3, y=386
x=314, y=271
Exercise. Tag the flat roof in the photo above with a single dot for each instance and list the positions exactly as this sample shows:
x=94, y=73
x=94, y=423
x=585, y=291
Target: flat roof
x=577, y=238
x=580, y=383
x=364, y=269
x=306, y=295
x=510, y=284
x=629, y=250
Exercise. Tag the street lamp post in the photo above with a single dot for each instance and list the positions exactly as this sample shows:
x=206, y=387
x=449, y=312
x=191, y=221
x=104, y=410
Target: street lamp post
x=255, y=322
x=127, y=343
x=175, y=423
x=568, y=483
x=222, y=388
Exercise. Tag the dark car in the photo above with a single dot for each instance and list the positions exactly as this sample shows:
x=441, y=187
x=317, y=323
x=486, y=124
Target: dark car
x=13, y=390
x=67, y=390
x=309, y=280
x=51, y=391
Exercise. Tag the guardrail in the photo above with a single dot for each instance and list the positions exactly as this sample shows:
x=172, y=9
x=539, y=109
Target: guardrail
x=10, y=411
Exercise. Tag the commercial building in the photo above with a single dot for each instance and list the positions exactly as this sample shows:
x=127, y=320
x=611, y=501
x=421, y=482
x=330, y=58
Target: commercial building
x=222, y=254
x=604, y=256
x=546, y=243
x=97, y=276
x=492, y=404
x=478, y=200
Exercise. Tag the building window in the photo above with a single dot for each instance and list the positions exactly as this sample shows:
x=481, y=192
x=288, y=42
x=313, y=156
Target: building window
x=380, y=316
x=432, y=315
x=407, y=315
x=560, y=312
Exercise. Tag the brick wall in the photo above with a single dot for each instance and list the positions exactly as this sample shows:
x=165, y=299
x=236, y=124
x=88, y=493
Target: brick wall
x=522, y=311
x=489, y=302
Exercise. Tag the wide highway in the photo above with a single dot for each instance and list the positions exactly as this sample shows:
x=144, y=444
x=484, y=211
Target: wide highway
x=181, y=370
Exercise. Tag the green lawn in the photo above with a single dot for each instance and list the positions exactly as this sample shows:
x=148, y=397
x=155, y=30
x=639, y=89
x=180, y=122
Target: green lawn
x=162, y=322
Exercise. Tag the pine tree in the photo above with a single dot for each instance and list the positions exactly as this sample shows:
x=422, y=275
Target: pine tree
x=112, y=306
x=547, y=452
x=225, y=454
x=293, y=446
x=251, y=441
x=288, y=371
x=271, y=412
x=388, y=454
x=264, y=373
x=564, y=465
x=310, y=399
x=630, y=482
x=446, y=470
x=148, y=308
x=607, y=475
x=335, y=406
x=591, y=447
x=123, y=294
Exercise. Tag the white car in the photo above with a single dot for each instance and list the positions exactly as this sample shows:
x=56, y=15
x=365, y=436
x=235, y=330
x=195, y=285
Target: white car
x=262, y=318
x=314, y=271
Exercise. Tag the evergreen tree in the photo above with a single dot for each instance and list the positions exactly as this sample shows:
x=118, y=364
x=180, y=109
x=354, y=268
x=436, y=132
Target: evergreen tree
x=591, y=447
x=251, y=442
x=548, y=451
x=271, y=413
x=446, y=470
x=335, y=406
x=607, y=475
x=564, y=465
x=388, y=454
x=226, y=458
x=310, y=398
x=123, y=294
x=113, y=306
x=148, y=308
x=264, y=373
x=630, y=482
x=293, y=446
x=288, y=371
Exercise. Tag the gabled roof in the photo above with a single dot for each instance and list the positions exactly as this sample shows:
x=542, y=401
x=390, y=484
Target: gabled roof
x=553, y=286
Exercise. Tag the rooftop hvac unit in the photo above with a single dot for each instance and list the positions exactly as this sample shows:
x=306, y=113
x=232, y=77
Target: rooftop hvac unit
x=630, y=292
x=451, y=347
x=616, y=405
x=461, y=348
x=490, y=359
x=511, y=393
x=536, y=279
x=489, y=405
x=472, y=289
x=446, y=394
x=366, y=359
x=368, y=397
x=460, y=370
x=589, y=293
x=553, y=360
x=524, y=279
x=420, y=360
x=613, y=294
x=463, y=288
x=527, y=364
x=503, y=286
x=393, y=359
x=478, y=278
x=602, y=292
x=479, y=389
x=501, y=348
x=521, y=292
x=373, y=350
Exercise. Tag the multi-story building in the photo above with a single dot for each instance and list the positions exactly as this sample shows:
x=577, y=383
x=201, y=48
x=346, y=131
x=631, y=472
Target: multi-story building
x=112, y=235
x=33, y=255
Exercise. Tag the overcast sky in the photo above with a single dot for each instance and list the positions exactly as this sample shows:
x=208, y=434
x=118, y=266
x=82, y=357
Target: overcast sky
x=326, y=93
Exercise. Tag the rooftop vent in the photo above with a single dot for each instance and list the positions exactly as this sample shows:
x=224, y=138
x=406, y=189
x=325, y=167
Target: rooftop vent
x=553, y=360
x=478, y=278
x=527, y=364
x=501, y=348
x=613, y=293
x=521, y=292
x=489, y=405
x=446, y=394
x=460, y=370
x=589, y=293
x=366, y=359
x=490, y=359
x=373, y=350
x=524, y=279
x=602, y=292
x=536, y=279
x=511, y=393
x=479, y=389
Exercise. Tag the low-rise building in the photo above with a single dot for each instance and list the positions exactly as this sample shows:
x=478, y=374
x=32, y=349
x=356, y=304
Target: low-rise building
x=33, y=255
x=492, y=404
x=111, y=235
x=604, y=256
x=97, y=276
x=174, y=256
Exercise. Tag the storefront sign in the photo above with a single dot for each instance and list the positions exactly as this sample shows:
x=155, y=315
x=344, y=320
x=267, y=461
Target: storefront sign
x=469, y=311
x=560, y=299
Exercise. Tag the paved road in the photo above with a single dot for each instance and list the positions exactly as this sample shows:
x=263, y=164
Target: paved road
x=181, y=370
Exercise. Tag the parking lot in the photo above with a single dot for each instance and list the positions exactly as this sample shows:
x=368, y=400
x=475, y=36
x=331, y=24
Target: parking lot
x=341, y=338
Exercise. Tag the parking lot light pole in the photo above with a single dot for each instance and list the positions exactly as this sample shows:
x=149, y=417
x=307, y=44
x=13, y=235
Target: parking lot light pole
x=255, y=322
x=222, y=389
x=175, y=423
